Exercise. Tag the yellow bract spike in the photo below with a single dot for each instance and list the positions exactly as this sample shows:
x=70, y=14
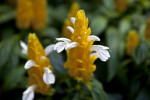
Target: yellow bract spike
x=72, y=13
x=24, y=13
x=79, y=62
x=40, y=14
x=121, y=5
x=132, y=42
x=31, y=13
x=37, y=54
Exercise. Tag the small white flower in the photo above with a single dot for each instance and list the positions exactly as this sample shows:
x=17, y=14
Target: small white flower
x=101, y=51
x=71, y=45
x=64, y=44
x=48, y=76
x=94, y=38
x=29, y=64
x=49, y=49
x=70, y=29
x=28, y=94
x=24, y=47
x=73, y=20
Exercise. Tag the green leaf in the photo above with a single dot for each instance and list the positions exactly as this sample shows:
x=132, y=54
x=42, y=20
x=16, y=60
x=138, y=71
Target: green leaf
x=98, y=25
x=97, y=91
x=14, y=78
x=57, y=62
x=124, y=25
x=113, y=43
x=5, y=17
x=141, y=52
x=109, y=4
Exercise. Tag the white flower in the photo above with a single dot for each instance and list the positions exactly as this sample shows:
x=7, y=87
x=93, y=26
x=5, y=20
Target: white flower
x=24, y=47
x=29, y=64
x=28, y=94
x=49, y=49
x=73, y=20
x=70, y=29
x=94, y=38
x=48, y=76
x=101, y=51
x=64, y=44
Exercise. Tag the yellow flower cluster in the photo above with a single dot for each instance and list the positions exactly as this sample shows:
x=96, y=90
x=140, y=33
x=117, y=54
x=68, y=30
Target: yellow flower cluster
x=132, y=42
x=79, y=62
x=72, y=13
x=36, y=53
x=147, y=30
x=31, y=13
x=121, y=5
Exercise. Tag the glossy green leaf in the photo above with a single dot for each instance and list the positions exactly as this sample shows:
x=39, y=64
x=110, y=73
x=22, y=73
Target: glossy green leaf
x=97, y=91
x=112, y=36
x=141, y=52
x=98, y=25
x=14, y=78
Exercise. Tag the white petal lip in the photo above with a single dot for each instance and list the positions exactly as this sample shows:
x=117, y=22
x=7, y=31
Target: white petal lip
x=24, y=47
x=28, y=94
x=101, y=51
x=93, y=37
x=70, y=29
x=29, y=64
x=73, y=20
x=64, y=39
x=71, y=45
x=60, y=46
x=48, y=76
x=49, y=49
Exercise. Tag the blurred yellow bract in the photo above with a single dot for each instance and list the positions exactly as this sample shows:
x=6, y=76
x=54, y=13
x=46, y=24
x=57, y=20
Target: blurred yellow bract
x=132, y=42
x=31, y=13
x=147, y=30
x=79, y=62
x=121, y=5
x=72, y=13
x=37, y=54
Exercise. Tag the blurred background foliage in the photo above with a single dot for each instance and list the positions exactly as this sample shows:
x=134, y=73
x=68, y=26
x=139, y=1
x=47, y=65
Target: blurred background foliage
x=122, y=25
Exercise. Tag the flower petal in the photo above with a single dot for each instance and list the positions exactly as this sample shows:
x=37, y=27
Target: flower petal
x=24, y=47
x=73, y=20
x=49, y=49
x=103, y=47
x=29, y=93
x=71, y=45
x=60, y=46
x=103, y=54
x=70, y=29
x=64, y=39
x=29, y=64
x=48, y=76
x=93, y=37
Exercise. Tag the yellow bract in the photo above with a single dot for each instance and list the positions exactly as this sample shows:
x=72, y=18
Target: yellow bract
x=121, y=5
x=37, y=54
x=72, y=13
x=31, y=13
x=147, y=30
x=79, y=62
x=132, y=42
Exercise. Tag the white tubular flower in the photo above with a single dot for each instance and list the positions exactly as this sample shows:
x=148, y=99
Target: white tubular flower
x=101, y=51
x=48, y=76
x=49, y=49
x=64, y=44
x=24, y=47
x=94, y=38
x=28, y=94
x=70, y=29
x=71, y=45
x=73, y=20
x=29, y=64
